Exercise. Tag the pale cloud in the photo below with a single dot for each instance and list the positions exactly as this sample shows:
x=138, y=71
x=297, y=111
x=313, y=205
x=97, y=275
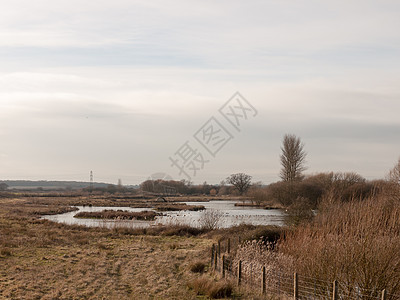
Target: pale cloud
x=221, y=33
x=118, y=86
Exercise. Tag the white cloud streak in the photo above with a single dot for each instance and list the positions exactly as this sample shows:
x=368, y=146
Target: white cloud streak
x=132, y=80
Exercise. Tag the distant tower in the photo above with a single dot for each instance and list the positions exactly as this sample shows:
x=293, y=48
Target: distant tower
x=91, y=180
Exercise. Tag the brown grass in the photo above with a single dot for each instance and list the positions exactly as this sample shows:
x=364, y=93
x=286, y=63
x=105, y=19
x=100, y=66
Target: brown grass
x=161, y=230
x=41, y=259
x=266, y=205
x=198, y=267
x=357, y=243
x=118, y=214
x=214, y=289
x=240, y=234
x=254, y=255
x=45, y=260
x=179, y=206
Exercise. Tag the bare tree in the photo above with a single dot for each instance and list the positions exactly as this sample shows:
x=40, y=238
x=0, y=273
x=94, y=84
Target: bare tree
x=292, y=158
x=240, y=181
x=394, y=174
x=210, y=219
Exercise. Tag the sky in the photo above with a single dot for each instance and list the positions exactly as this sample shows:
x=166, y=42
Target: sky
x=133, y=90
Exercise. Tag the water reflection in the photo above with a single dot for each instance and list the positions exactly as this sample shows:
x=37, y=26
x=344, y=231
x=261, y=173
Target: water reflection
x=231, y=215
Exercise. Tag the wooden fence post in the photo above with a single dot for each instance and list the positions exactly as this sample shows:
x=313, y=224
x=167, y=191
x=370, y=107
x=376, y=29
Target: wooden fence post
x=212, y=254
x=384, y=295
x=219, y=248
x=335, y=291
x=215, y=260
x=229, y=245
x=263, y=286
x=239, y=279
x=223, y=266
x=295, y=287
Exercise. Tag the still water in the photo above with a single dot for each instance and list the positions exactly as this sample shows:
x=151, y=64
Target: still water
x=231, y=215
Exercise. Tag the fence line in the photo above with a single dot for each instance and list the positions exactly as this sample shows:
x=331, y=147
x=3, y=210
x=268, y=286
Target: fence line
x=293, y=285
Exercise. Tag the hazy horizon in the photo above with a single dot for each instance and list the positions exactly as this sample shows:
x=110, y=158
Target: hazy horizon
x=118, y=87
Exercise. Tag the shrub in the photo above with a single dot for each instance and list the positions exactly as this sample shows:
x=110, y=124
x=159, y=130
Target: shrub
x=5, y=252
x=256, y=254
x=356, y=242
x=299, y=212
x=118, y=214
x=198, y=267
x=210, y=219
x=222, y=289
x=345, y=185
x=211, y=288
x=182, y=230
x=266, y=234
x=179, y=206
x=281, y=192
x=200, y=285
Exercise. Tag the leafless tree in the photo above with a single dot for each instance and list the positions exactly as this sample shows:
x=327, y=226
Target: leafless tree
x=210, y=219
x=240, y=181
x=292, y=158
x=394, y=174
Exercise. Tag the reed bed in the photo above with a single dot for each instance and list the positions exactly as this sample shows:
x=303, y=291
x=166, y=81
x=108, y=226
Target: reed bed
x=118, y=215
x=356, y=243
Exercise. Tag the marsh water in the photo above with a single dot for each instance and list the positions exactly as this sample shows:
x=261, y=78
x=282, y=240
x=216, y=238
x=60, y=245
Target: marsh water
x=230, y=215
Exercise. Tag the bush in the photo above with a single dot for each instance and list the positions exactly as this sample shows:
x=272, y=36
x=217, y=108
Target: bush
x=198, y=267
x=168, y=230
x=200, y=285
x=182, y=230
x=266, y=234
x=356, y=242
x=287, y=193
x=345, y=185
x=254, y=255
x=210, y=219
x=179, y=206
x=5, y=252
x=211, y=288
x=118, y=214
x=299, y=212
x=222, y=289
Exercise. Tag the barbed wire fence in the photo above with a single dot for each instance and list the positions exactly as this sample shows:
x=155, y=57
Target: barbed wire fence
x=269, y=282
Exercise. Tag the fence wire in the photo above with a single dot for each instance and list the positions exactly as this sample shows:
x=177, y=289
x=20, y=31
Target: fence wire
x=277, y=283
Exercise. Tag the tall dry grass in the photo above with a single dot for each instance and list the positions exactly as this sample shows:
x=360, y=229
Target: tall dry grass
x=357, y=243
x=256, y=254
x=41, y=259
x=118, y=214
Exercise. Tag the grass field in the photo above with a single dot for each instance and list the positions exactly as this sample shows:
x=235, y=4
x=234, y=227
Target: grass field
x=45, y=260
x=41, y=259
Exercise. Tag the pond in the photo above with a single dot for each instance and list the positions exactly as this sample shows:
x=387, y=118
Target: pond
x=230, y=215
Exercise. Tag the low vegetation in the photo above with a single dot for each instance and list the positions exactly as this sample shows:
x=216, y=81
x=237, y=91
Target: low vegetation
x=118, y=215
x=356, y=242
x=211, y=288
x=198, y=267
x=338, y=226
x=41, y=259
x=210, y=219
x=179, y=206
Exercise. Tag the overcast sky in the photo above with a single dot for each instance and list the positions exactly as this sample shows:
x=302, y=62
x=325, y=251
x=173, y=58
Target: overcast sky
x=119, y=87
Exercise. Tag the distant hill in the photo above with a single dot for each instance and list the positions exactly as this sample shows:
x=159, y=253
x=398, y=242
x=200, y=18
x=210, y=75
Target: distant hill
x=50, y=185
